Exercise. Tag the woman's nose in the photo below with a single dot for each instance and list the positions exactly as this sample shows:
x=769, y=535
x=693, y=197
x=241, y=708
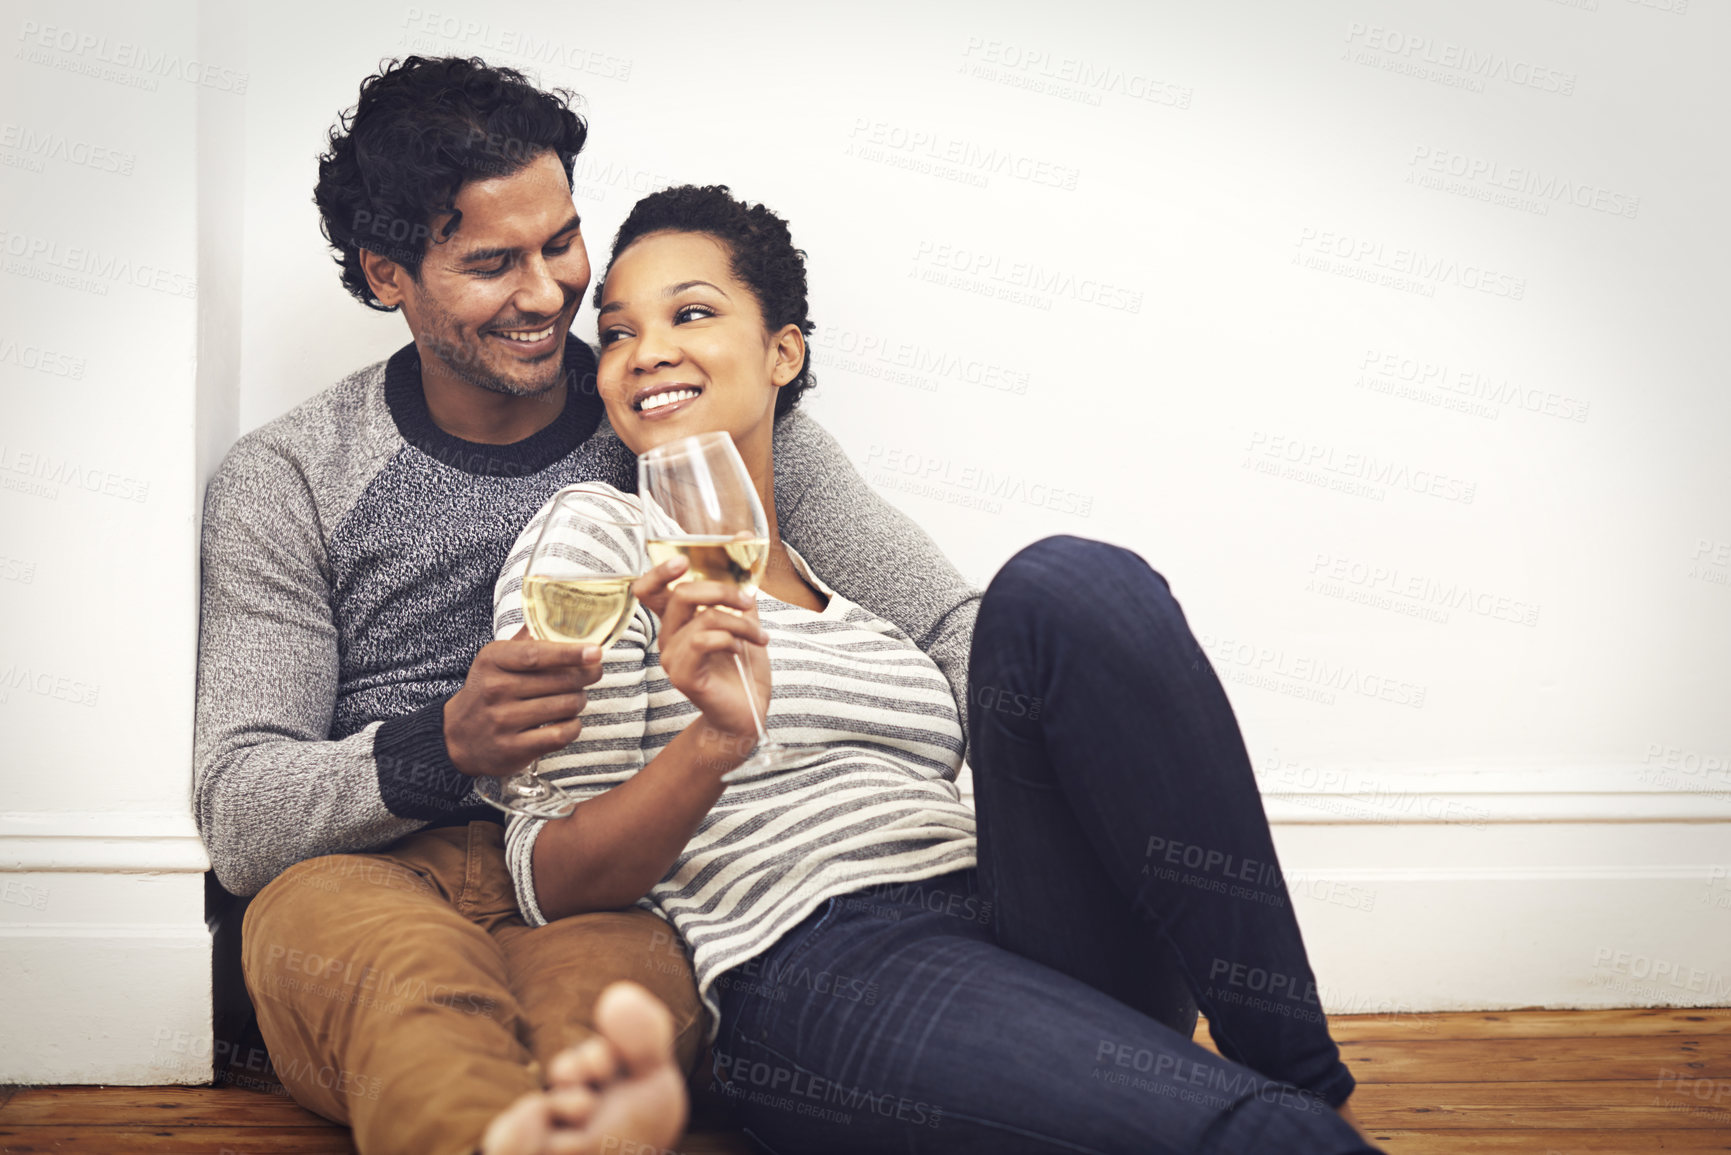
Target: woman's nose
x=654, y=346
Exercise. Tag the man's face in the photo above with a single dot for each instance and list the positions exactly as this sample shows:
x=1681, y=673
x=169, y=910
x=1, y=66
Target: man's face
x=495, y=300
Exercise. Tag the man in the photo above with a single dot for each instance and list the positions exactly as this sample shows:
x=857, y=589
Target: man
x=349, y=696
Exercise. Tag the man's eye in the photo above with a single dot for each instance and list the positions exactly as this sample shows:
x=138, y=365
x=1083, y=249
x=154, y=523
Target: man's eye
x=494, y=272
x=558, y=250
x=693, y=313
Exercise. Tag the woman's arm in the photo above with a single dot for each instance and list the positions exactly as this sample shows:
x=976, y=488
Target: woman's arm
x=611, y=850
x=615, y=846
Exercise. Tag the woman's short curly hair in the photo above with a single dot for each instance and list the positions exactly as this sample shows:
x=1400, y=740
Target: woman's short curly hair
x=762, y=251
x=422, y=127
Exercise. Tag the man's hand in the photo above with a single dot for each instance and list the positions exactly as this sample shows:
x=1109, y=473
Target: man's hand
x=520, y=701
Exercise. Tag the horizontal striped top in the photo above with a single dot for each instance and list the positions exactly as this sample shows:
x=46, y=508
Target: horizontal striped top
x=877, y=804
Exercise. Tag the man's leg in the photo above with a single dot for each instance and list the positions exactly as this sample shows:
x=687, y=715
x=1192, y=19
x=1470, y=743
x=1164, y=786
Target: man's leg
x=382, y=1005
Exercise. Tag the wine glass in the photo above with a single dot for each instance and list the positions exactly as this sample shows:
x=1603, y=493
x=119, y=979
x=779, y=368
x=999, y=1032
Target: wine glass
x=576, y=589
x=699, y=504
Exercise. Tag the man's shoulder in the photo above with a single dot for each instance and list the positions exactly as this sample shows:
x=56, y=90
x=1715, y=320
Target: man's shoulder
x=327, y=446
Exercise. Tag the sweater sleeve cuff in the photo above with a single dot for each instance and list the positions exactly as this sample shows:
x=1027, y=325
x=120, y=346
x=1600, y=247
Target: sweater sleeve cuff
x=417, y=778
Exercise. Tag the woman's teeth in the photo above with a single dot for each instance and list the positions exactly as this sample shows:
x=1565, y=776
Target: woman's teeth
x=661, y=399
x=527, y=338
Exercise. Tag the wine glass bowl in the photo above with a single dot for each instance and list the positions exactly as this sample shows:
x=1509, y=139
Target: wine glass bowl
x=576, y=590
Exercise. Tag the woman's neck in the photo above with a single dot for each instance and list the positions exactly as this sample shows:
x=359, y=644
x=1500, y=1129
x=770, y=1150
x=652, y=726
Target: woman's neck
x=780, y=579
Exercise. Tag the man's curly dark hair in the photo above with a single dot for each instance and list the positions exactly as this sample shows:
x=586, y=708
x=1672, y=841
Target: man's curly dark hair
x=762, y=253
x=422, y=127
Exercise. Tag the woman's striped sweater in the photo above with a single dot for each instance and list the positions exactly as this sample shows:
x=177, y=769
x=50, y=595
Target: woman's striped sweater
x=877, y=805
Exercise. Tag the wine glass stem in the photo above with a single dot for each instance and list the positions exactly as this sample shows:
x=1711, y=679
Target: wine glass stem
x=751, y=697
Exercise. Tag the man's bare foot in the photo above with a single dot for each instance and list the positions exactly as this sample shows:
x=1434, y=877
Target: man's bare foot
x=621, y=1091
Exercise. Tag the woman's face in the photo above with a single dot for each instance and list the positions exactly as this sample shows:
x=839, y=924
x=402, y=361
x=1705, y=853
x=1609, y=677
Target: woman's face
x=684, y=349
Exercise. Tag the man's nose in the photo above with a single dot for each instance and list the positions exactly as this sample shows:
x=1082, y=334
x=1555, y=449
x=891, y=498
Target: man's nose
x=539, y=293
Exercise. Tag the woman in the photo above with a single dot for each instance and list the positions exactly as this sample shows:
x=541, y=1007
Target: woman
x=883, y=975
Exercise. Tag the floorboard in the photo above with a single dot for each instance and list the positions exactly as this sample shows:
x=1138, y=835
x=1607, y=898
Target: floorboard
x=1479, y=1083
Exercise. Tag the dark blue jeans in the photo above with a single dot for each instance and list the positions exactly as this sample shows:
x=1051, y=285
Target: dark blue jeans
x=1042, y=1002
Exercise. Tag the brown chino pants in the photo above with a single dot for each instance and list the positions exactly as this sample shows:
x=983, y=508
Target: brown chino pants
x=401, y=992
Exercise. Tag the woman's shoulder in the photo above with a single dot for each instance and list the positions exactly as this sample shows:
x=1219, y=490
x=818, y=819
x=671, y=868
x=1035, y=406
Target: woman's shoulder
x=599, y=499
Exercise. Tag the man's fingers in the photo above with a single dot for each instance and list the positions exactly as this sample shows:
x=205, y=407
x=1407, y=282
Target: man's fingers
x=526, y=655
x=532, y=744
x=505, y=687
x=526, y=715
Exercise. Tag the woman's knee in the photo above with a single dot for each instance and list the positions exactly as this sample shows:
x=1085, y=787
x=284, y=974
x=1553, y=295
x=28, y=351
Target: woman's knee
x=1065, y=575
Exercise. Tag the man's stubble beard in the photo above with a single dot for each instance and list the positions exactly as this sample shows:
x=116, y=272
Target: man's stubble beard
x=468, y=364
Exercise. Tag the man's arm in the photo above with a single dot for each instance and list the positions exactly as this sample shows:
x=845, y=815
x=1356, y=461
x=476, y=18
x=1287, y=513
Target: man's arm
x=269, y=787
x=871, y=551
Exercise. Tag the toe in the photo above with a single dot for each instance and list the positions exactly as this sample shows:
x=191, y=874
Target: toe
x=637, y=1024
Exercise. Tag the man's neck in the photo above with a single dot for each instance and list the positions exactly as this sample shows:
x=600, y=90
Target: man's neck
x=464, y=409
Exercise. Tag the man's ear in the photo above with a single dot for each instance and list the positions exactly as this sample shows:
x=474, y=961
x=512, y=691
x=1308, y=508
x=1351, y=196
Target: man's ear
x=789, y=349
x=385, y=277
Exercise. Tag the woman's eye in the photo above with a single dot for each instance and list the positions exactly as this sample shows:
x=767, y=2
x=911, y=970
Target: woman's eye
x=693, y=313
x=608, y=336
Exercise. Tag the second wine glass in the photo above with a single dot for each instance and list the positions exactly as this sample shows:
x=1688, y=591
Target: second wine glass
x=577, y=590
x=699, y=503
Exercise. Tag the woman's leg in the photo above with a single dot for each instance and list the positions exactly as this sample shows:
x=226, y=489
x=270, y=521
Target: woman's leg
x=1114, y=789
x=890, y=1021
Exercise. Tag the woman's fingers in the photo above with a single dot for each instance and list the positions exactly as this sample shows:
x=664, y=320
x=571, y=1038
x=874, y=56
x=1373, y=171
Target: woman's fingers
x=746, y=627
x=652, y=588
x=703, y=643
x=685, y=600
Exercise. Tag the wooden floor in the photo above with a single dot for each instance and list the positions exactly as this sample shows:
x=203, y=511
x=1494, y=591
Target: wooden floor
x=1546, y=1082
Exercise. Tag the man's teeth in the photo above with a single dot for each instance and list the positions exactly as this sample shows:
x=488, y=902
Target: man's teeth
x=661, y=399
x=526, y=338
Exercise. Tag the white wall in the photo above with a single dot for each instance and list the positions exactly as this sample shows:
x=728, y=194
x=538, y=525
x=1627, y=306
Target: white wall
x=104, y=956
x=1459, y=542
x=1235, y=285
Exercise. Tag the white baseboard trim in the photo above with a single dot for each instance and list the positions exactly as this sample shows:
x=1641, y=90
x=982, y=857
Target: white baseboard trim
x=1424, y=891
x=104, y=953
x=1418, y=892
x=103, y=842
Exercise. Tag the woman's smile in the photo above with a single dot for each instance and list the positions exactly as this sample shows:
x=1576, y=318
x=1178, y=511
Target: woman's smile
x=659, y=402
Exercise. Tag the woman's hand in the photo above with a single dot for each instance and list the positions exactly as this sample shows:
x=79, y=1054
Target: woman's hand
x=703, y=625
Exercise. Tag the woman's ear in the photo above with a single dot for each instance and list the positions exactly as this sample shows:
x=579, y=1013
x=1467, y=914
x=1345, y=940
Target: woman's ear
x=788, y=347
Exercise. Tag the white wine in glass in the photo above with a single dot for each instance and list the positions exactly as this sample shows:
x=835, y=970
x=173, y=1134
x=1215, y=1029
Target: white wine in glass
x=582, y=611
x=576, y=590
x=716, y=558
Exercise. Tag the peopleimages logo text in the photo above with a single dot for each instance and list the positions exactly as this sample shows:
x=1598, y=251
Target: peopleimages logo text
x=126, y=54
x=1472, y=62
x=1412, y=262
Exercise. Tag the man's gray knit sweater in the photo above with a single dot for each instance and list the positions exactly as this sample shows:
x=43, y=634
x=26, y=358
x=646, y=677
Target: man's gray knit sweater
x=350, y=549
